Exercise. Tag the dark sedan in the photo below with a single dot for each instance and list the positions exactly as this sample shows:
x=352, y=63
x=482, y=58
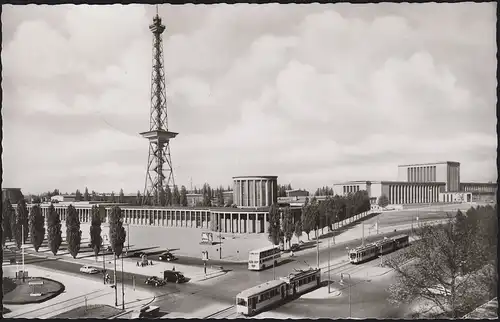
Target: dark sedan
x=153, y=280
x=167, y=256
x=295, y=247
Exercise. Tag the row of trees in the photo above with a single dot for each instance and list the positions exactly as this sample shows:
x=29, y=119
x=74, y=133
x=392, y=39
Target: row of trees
x=315, y=215
x=452, y=268
x=282, y=189
x=33, y=223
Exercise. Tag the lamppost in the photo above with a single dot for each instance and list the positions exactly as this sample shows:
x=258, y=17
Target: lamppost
x=342, y=282
x=123, y=288
x=104, y=260
x=329, y=255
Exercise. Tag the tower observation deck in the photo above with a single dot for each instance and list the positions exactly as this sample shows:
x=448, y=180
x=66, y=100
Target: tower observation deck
x=159, y=172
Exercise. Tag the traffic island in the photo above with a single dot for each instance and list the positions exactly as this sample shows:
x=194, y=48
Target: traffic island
x=32, y=290
x=98, y=311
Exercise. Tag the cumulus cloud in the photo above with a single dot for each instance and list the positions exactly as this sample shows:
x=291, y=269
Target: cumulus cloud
x=312, y=93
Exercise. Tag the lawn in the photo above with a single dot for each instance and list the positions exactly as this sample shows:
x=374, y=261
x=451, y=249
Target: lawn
x=8, y=285
x=20, y=292
x=98, y=311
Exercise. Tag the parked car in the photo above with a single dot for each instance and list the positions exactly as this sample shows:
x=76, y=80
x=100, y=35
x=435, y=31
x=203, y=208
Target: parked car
x=173, y=276
x=89, y=270
x=167, y=256
x=153, y=280
x=295, y=247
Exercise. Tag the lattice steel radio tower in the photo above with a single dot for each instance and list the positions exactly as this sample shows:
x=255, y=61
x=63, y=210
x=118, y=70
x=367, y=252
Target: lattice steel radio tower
x=159, y=173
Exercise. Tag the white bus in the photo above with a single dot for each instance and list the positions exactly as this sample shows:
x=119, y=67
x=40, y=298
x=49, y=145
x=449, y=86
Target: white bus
x=264, y=257
x=261, y=296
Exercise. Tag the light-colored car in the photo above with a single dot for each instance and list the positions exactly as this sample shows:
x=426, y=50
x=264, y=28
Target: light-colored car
x=89, y=270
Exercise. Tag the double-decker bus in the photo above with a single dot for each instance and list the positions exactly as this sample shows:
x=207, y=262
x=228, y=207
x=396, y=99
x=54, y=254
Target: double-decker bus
x=263, y=257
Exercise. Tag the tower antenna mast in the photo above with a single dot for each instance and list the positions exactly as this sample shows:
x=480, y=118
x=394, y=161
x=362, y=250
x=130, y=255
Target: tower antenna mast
x=159, y=172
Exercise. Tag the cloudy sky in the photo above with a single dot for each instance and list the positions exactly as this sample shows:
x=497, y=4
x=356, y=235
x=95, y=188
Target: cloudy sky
x=314, y=94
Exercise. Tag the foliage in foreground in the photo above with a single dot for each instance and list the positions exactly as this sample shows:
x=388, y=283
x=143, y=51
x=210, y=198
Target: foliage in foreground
x=451, y=269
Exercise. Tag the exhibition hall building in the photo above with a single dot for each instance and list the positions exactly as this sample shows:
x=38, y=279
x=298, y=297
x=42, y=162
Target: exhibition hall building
x=253, y=195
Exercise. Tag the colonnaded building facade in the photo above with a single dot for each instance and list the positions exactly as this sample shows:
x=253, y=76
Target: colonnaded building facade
x=252, y=195
x=423, y=183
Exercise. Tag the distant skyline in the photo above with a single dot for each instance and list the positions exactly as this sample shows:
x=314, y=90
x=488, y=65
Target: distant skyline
x=314, y=94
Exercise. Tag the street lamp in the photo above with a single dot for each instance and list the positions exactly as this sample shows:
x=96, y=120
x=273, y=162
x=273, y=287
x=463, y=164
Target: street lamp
x=342, y=282
x=329, y=255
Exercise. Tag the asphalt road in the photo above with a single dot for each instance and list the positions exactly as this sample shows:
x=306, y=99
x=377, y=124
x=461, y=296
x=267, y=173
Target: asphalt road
x=188, y=297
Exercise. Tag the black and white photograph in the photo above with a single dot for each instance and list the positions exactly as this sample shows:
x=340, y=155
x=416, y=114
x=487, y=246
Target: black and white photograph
x=249, y=161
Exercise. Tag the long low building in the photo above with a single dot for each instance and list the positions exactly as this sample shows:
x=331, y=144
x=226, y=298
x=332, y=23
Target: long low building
x=226, y=220
x=422, y=183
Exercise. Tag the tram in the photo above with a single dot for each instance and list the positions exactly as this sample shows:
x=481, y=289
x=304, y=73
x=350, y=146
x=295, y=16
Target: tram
x=257, y=298
x=302, y=281
x=378, y=248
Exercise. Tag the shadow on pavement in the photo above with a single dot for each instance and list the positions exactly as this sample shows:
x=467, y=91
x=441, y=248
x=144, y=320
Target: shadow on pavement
x=348, y=226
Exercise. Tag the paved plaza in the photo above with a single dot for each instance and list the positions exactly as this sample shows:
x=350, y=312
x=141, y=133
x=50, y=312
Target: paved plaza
x=78, y=291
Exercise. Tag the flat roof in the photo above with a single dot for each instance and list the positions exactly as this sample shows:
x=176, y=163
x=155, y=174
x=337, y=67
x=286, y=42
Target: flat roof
x=480, y=183
x=429, y=163
x=267, y=177
x=260, y=288
x=414, y=182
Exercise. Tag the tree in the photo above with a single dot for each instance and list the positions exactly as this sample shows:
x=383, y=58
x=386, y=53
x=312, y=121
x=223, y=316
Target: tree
x=383, y=201
x=287, y=225
x=73, y=232
x=138, y=199
x=21, y=223
x=168, y=196
x=274, y=230
x=220, y=197
x=121, y=196
x=94, y=196
x=438, y=261
x=117, y=233
x=53, y=230
x=78, y=195
x=86, y=194
x=305, y=220
x=112, y=197
x=183, y=197
x=37, y=226
x=7, y=219
x=95, y=231
x=176, y=197
x=298, y=229
x=207, y=195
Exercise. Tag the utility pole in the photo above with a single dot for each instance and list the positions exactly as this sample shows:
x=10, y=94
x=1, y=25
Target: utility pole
x=114, y=273
x=104, y=266
x=22, y=246
x=123, y=289
x=317, y=248
x=329, y=255
x=363, y=234
x=128, y=237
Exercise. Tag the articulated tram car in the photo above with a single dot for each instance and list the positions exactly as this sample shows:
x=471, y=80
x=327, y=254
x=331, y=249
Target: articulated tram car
x=385, y=246
x=400, y=241
x=302, y=281
x=381, y=247
x=257, y=298
x=363, y=253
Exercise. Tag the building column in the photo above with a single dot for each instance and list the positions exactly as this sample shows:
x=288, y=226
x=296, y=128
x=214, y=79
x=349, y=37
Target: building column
x=239, y=223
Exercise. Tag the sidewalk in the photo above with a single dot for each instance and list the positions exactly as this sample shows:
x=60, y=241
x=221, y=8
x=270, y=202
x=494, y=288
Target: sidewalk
x=77, y=290
x=195, y=273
